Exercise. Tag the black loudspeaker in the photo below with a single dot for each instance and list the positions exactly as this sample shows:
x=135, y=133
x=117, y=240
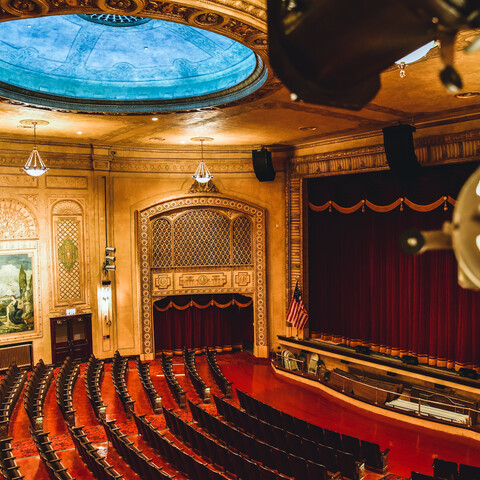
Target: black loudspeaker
x=262, y=164
x=468, y=373
x=409, y=360
x=401, y=158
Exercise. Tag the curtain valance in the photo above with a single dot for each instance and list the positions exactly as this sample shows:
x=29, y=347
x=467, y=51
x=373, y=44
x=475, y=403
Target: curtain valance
x=182, y=302
x=399, y=202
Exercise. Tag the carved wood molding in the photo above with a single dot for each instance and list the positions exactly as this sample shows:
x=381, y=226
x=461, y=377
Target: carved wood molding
x=198, y=279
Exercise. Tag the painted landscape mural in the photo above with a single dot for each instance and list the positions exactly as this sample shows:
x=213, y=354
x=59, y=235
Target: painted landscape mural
x=16, y=293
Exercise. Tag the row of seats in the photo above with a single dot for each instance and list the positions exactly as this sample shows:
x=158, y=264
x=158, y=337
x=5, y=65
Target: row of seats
x=8, y=464
x=348, y=454
x=154, y=398
x=35, y=393
x=447, y=470
x=322, y=459
x=10, y=389
x=200, y=386
x=48, y=454
x=362, y=450
x=218, y=454
x=177, y=391
x=131, y=454
x=93, y=377
x=223, y=384
x=174, y=455
x=66, y=379
x=119, y=377
x=95, y=462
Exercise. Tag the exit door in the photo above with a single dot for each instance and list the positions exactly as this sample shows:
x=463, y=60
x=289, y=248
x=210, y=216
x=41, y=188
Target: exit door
x=71, y=337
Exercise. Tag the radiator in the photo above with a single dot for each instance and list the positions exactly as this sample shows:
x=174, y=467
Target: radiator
x=21, y=353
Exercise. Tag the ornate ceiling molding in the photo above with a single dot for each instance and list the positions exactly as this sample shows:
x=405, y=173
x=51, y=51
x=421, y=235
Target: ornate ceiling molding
x=432, y=150
x=237, y=19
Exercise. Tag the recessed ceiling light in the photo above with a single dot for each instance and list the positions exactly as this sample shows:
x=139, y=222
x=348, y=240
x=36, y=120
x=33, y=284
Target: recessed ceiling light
x=311, y=129
x=154, y=119
x=79, y=133
x=183, y=141
x=467, y=94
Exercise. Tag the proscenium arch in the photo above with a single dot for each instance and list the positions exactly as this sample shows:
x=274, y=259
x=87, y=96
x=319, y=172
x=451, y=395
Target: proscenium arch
x=256, y=214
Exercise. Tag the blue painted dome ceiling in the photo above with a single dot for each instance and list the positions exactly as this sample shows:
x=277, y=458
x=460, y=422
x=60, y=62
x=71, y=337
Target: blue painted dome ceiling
x=78, y=58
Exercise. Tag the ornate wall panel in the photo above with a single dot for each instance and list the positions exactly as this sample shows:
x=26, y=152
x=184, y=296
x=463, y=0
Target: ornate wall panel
x=68, y=247
x=20, y=270
x=201, y=244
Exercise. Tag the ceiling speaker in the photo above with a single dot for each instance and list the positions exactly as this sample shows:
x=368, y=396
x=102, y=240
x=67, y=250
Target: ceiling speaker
x=399, y=150
x=262, y=164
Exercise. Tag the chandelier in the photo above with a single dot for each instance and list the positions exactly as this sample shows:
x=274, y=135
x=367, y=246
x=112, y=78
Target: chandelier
x=202, y=174
x=35, y=166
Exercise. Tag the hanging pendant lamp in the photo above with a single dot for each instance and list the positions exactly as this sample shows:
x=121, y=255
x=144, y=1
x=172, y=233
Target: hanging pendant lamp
x=34, y=165
x=202, y=174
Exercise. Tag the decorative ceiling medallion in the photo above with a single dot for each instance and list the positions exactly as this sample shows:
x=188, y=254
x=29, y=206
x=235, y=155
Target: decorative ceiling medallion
x=113, y=20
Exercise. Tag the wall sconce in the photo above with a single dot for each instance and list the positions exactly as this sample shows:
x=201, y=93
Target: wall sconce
x=105, y=300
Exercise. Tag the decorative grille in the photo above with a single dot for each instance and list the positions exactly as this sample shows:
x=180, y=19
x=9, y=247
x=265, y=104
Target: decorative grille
x=68, y=264
x=202, y=237
x=161, y=243
x=242, y=241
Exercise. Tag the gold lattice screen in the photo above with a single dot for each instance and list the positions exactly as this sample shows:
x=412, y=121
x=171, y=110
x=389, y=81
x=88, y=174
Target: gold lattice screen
x=68, y=249
x=201, y=237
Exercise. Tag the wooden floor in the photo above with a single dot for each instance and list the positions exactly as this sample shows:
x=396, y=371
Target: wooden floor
x=411, y=448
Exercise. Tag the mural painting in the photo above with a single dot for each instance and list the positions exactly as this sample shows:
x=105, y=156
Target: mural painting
x=16, y=293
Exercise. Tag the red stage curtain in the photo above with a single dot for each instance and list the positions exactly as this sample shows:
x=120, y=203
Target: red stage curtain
x=364, y=290
x=195, y=321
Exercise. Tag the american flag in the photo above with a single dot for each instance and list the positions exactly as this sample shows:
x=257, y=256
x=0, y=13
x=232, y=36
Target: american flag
x=297, y=314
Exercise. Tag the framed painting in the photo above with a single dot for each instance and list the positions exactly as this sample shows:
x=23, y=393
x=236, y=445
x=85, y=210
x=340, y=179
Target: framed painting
x=17, y=302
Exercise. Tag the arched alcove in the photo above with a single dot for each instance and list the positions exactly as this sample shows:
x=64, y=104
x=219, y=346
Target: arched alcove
x=202, y=245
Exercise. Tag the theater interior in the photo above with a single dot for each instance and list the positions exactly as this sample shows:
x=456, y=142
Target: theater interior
x=238, y=239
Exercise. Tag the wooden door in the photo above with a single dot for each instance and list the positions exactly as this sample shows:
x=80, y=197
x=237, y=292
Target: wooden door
x=71, y=336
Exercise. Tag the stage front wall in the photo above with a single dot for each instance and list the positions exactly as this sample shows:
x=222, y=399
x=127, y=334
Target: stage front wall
x=364, y=290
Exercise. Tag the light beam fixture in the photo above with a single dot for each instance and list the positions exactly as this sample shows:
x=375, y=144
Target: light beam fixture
x=35, y=166
x=202, y=174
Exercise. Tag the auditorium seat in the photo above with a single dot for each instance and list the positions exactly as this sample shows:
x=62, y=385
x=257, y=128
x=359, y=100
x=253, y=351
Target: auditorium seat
x=333, y=439
x=349, y=467
x=375, y=459
x=351, y=445
x=421, y=476
x=445, y=469
x=467, y=472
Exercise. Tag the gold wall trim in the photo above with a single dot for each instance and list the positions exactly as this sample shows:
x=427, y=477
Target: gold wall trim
x=151, y=283
x=432, y=150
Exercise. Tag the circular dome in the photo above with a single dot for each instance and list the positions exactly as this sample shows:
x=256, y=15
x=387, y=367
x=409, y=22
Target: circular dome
x=114, y=63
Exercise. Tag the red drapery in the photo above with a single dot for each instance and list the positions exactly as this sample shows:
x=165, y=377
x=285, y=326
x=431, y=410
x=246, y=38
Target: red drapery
x=364, y=290
x=222, y=322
